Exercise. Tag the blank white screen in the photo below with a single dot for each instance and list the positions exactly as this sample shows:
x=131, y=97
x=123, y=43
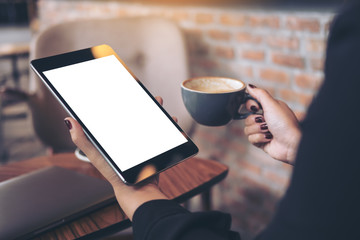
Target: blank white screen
x=116, y=110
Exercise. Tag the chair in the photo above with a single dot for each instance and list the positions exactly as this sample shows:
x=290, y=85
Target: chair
x=153, y=48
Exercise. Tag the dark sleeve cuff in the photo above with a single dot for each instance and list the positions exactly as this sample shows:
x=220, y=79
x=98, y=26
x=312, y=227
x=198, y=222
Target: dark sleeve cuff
x=166, y=219
x=149, y=213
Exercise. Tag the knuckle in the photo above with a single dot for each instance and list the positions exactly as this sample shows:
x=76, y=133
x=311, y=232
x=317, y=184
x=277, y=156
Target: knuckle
x=246, y=131
x=249, y=120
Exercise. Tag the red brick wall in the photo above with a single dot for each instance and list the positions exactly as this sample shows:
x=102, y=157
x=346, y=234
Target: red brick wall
x=280, y=50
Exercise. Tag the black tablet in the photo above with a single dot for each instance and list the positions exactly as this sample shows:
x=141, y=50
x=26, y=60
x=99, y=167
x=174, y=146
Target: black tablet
x=136, y=136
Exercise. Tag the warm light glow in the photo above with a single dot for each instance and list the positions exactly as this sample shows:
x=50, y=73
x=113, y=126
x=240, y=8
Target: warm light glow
x=146, y=172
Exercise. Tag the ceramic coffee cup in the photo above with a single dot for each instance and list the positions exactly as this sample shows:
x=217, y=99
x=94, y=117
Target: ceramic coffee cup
x=214, y=101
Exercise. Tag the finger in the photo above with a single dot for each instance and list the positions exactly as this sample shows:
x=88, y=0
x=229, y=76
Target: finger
x=261, y=95
x=81, y=141
x=260, y=138
x=160, y=100
x=255, y=129
x=254, y=118
x=252, y=106
x=79, y=138
x=175, y=119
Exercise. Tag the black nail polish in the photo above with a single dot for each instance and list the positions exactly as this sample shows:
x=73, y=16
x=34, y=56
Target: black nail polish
x=259, y=120
x=68, y=124
x=268, y=135
x=263, y=126
x=254, y=109
x=252, y=86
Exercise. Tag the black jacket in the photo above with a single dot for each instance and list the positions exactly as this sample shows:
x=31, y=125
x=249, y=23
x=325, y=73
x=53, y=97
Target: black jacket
x=323, y=199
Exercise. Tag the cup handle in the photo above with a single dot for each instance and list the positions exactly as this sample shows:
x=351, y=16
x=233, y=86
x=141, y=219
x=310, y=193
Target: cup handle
x=245, y=115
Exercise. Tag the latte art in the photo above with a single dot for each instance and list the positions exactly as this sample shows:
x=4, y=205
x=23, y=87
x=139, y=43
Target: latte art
x=214, y=85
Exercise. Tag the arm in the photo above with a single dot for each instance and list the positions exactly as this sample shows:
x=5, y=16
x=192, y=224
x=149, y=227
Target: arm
x=129, y=197
x=152, y=214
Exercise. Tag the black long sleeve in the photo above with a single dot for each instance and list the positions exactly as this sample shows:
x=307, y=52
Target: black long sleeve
x=165, y=219
x=323, y=199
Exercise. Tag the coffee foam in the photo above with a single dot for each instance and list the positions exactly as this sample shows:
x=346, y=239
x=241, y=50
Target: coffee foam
x=214, y=85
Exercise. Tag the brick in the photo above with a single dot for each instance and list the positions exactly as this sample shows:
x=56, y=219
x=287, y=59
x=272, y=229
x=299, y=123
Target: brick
x=317, y=64
x=315, y=45
x=122, y=12
x=305, y=99
x=219, y=35
x=271, y=90
x=204, y=18
x=288, y=60
x=283, y=42
x=225, y=52
x=196, y=46
x=303, y=24
x=274, y=75
x=256, y=55
x=328, y=25
x=193, y=32
x=204, y=63
x=246, y=71
x=291, y=96
x=308, y=81
x=246, y=37
x=264, y=21
x=288, y=95
x=180, y=16
x=233, y=20
x=241, y=70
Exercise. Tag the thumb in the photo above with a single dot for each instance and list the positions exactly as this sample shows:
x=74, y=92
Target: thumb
x=262, y=96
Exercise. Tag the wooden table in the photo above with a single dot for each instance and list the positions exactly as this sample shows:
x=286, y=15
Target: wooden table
x=180, y=183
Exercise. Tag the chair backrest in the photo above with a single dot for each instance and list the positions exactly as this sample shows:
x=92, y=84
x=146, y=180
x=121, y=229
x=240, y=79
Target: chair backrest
x=153, y=48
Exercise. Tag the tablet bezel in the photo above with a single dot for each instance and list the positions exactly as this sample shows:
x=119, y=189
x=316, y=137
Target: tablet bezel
x=139, y=172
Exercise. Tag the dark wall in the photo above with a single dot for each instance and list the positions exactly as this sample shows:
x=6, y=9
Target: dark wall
x=13, y=12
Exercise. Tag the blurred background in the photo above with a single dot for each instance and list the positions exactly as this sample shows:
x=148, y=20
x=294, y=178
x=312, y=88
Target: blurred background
x=277, y=45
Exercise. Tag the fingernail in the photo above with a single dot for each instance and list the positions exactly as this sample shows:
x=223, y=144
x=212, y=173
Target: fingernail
x=254, y=109
x=263, y=126
x=68, y=124
x=252, y=86
x=268, y=135
x=259, y=119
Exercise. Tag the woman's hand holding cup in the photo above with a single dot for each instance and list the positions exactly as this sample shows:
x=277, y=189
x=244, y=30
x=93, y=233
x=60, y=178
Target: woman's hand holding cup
x=277, y=131
x=215, y=101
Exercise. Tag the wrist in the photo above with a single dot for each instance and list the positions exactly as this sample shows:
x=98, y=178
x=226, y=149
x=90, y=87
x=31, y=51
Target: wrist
x=293, y=146
x=132, y=197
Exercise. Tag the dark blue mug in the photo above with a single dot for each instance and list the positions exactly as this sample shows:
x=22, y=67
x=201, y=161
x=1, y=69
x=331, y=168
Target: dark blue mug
x=214, y=101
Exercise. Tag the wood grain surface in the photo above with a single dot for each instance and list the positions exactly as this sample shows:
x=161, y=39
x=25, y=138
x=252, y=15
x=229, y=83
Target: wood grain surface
x=181, y=182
